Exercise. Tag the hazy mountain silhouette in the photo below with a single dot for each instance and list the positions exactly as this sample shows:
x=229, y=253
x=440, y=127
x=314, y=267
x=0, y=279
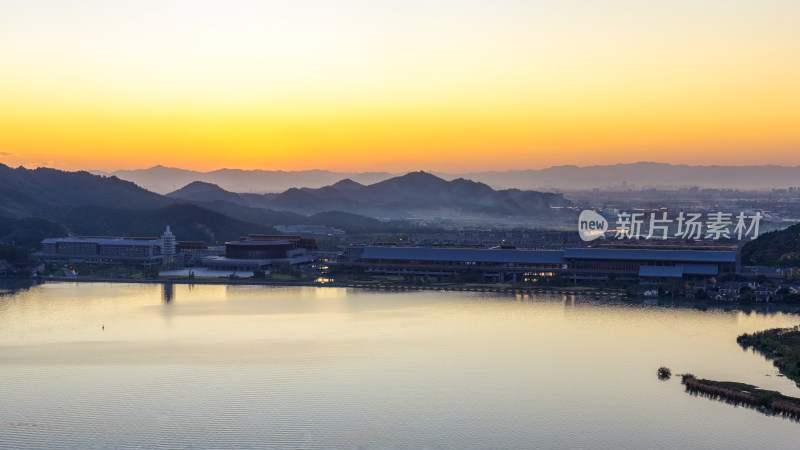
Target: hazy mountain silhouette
x=208, y=192
x=346, y=185
x=415, y=193
x=567, y=177
x=644, y=175
x=43, y=192
x=96, y=205
x=167, y=179
x=45, y=202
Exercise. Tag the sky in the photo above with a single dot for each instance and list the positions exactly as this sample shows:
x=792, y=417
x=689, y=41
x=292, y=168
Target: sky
x=398, y=85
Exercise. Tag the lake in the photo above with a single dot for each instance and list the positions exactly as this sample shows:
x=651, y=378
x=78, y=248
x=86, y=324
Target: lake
x=144, y=365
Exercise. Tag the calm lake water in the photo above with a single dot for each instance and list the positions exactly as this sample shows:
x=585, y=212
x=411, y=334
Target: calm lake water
x=225, y=366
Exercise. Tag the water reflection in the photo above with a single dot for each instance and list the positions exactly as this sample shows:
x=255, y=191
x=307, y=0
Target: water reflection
x=10, y=286
x=168, y=292
x=251, y=366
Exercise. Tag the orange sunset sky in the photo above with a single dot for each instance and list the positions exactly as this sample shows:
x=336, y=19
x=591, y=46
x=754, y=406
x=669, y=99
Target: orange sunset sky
x=398, y=85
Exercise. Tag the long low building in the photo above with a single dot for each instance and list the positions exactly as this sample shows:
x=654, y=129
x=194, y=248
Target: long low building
x=576, y=264
x=96, y=250
x=650, y=264
x=499, y=265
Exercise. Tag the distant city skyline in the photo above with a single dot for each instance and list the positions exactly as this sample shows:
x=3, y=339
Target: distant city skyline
x=397, y=86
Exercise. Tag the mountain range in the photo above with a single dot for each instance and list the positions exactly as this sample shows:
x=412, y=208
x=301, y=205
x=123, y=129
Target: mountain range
x=562, y=178
x=646, y=175
x=416, y=194
x=163, y=180
x=39, y=203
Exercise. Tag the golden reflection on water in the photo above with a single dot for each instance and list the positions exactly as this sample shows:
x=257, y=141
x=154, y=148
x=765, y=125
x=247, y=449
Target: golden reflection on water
x=371, y=356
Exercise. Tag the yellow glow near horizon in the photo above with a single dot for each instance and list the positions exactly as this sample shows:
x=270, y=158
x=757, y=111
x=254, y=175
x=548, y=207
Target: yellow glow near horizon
x=398, y=85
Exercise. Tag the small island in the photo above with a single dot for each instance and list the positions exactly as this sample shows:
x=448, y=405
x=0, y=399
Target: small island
x=782, y=345
x=741, y=394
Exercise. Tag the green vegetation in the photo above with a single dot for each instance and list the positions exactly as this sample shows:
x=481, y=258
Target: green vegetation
x=780, y=344
x=104, y=271
x=348, y=222
x=354, y=224
x=740, y=394
x=188, y=222
x=788, y=296
x=27, y=233
x=11, y=253
x=252, y=214
x=51, y=203
x=45, y=192
x=48, y=203
x=776, y=248
x=664, y=373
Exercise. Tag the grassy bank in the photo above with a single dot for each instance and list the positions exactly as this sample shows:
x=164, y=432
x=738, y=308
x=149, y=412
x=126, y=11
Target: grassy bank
x=740, y=394
x=782, y=345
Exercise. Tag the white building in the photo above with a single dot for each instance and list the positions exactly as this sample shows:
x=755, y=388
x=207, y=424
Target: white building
x=168, y=246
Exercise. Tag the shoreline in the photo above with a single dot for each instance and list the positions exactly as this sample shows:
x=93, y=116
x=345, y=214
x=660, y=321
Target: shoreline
x=589, y=292
x=778, y=345
x=597, y=294
x=383, y=287
x=771, y=403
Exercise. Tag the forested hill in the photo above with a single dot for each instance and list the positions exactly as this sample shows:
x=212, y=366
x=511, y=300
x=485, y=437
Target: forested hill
x=776, y=248
x=39, y=203
x=46, y=192
x=418, y=194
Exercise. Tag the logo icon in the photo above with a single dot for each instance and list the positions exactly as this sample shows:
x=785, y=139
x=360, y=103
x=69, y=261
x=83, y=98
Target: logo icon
x=591, y=225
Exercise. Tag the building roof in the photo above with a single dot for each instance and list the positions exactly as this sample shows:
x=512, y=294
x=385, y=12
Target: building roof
x=129, y=242
x=259, y=242
x=464, y=254
x=678, y=270
x=701, y=269
x=661, y=271
x=651, y=255
x=222, y=261
x=103, y=241
x=71, y=239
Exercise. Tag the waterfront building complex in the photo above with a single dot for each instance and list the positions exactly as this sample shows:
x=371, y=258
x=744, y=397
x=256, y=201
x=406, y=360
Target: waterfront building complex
x=102, y=250
x=263, y=252
x=576, y=264
x=142, y=251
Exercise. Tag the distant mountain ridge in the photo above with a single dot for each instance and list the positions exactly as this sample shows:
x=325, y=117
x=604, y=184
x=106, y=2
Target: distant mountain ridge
x=646, y=175
x=39, y=203
x=164, y=180
x=44, y=202
x=44, y=192
x=412, y=194
x=567, y=177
